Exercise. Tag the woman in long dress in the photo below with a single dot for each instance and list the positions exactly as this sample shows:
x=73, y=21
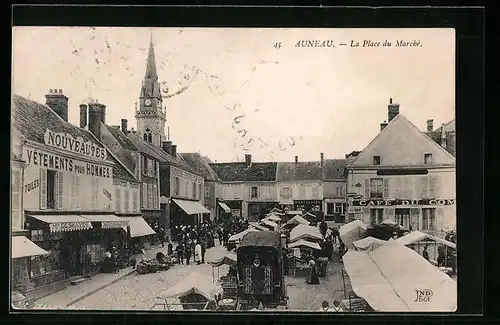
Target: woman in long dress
x=197, y=253
x=313, y=277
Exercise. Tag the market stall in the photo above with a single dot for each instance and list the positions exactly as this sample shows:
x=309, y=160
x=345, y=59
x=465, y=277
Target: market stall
x=196, y=291
x=297, y=220
x=228, y=259
x=301, y=259
x=271, y=225
x=394, y=278
x=351, y=232
x=305, y=232
x=368, y=244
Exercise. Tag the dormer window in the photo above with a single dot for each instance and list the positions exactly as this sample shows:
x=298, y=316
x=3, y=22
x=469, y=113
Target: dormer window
x=428, y=158
x=376, y=160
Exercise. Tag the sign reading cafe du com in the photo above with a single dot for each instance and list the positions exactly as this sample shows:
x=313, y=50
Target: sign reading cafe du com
x=403, y=202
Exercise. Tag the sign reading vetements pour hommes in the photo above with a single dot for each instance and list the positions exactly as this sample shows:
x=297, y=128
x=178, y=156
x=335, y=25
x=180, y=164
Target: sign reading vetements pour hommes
x=66, y=141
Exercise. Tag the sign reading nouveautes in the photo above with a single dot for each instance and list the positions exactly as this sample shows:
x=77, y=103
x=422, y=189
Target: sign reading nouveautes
x=66, y=141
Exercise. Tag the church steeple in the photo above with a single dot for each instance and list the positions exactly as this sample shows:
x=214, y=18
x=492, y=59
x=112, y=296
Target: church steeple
x=151, y=65
x=150, y=116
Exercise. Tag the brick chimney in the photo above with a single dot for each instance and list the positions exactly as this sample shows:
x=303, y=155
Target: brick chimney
x=124, y=125
x=83, y=115
x=174, y=150
x=95, y=119
x=393, y=110
x=430, y=125
x=167, y=146
x=296, y=159
x=248, y=160
x=103, y=115
x=383, y=125
x=58, y=102
x=322, y=158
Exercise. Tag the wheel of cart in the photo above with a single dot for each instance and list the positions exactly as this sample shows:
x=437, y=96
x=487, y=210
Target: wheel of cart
x=194, y=292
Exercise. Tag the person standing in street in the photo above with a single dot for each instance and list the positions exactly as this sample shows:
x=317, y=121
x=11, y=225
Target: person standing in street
x=197, y=253
x=188, y=251
x=425, y=253
x=203, y=250
x=161, y=236
x=88, y=264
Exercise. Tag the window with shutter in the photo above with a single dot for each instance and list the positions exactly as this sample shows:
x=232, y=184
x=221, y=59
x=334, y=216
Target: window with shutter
x=199, y=191
x=432, y=187
x=415, y=219
x=367, y=188
x=424, y=192
x=126, y=199
x=77, y=191
x=398, y=187
x=118, y=202
x=16, y=199
x=386, y=187
x=60, y=190
x=134, y=201
x=407, y=189
x=43, y=189
x=207, y=191
x=144, y=195
x=95, y=193
x=73, y=197
x=155, y=196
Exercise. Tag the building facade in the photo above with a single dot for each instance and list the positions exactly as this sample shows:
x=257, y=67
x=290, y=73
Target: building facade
x=248, y=189
x=300, y=186
x=405, y=176
x=67, y=185
x=335, y=189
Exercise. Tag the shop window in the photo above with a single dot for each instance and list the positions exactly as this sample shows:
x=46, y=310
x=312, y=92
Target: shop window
x=254, y=192
x=330, y=208
x=428, y=158
x=207, y=191
x=403, y=217
x=50, y=189
x=376, y=160
x=376, y=187
x=376, y=216
x=339, y=209
x=428, y=218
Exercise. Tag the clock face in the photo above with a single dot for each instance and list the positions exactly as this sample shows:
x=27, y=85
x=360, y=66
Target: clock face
x=147, y=102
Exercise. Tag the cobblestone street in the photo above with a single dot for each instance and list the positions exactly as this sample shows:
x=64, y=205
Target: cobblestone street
x=139, y=292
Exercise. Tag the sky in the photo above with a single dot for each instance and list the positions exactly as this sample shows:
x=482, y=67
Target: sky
x=230, y=92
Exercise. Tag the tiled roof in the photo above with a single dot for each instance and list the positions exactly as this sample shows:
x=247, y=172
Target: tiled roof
x=300, y=171
x=122, y=139
x=335, y=169
x=200, y=163
x=32, y=119
x=237, y=172
x=449, y=129
x=159, y=154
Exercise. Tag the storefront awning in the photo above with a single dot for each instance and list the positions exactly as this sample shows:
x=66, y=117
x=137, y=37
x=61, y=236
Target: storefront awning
x=138, y=226
x=61, y=223
x=225, y=207
x=191, y=207
x=108, y=221
x=23, y=247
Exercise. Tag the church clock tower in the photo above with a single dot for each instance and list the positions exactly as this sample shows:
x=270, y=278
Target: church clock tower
x=150, y=115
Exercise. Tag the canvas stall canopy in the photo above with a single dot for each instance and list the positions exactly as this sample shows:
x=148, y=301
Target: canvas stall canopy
x=305, y=232
x=238, y=236
x=394, y=278
x=273, y=225
x=297, y=220
x=228, y=259
x=418, y=236
x=261, y=238
x=368, y=244
x=257, y=226
x=194, y=283
x=351, y=232
x=273, y=217
x=301, y=243
x=388, y=222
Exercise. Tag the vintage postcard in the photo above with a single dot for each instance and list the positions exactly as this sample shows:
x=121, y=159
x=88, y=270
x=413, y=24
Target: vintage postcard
x=233, y=169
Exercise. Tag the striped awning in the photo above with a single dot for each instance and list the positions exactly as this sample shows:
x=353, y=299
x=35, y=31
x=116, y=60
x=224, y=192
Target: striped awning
x=191, y=207
x=108, y=221
x=225, y=207
x=63, y=223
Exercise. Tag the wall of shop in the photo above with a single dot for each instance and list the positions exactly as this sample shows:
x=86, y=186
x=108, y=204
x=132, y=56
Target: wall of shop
x=233, y=191
x=304, y=190
x=184, y=184
x=79, y=184
x=126, y=197
x=265, y=191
